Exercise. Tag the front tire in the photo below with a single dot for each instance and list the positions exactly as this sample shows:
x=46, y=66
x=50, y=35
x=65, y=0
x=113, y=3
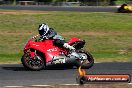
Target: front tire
x=36, y=63
x=88, y=59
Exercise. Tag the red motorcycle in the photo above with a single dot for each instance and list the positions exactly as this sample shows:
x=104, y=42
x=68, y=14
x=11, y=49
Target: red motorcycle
x=38, y=54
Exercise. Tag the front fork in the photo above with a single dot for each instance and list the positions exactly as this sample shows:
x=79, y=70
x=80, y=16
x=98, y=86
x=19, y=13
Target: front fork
x=31, y=54
x=33, y=57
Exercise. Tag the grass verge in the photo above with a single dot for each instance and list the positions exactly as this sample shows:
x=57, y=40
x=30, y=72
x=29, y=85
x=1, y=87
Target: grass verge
x=108, y=35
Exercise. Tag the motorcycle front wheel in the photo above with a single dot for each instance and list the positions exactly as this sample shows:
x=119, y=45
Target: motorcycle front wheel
x=86, y=61
x=36, y=63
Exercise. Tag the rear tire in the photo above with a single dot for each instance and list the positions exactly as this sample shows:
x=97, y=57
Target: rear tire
x=37, y=63
x=88, y=63
x=81, y=80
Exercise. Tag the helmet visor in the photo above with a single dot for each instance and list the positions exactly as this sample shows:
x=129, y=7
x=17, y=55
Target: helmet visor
x=43, y=29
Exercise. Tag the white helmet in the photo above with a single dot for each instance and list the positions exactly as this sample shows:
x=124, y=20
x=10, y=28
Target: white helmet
x=43, y=29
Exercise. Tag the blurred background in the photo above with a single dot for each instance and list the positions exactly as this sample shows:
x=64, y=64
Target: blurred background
x=66, y=2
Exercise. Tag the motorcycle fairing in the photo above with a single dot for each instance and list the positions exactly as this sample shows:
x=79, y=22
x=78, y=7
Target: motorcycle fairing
x=76, y=43
x=45, y=47
x=72, y=40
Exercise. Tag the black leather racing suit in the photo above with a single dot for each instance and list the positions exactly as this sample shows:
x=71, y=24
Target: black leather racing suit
x=58, y=40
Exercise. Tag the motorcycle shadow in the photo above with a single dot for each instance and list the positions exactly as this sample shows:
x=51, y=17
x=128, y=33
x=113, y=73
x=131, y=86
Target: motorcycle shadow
x=60, y=67
x=14, y=68
x=21, y=68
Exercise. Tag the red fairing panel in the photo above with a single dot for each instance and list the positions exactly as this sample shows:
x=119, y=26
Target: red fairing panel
x=72, y=40
x=51, y=50
x=45, y=47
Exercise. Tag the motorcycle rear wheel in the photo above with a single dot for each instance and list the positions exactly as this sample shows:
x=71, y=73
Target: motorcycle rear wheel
x=88, y=62
x=37, y=63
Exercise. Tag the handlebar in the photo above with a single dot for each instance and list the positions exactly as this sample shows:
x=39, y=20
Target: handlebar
x=40, y=39
x=35, y=36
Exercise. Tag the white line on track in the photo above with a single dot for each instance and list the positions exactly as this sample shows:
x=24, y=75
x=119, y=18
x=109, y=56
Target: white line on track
x=69, y=84
x=13, y=86
x=45, y=85
x=130, y=83
x=97, y=62
x=41, y=85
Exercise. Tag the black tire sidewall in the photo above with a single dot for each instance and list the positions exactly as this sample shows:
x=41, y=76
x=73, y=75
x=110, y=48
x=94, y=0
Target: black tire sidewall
x=27, y=67
x=90, y=59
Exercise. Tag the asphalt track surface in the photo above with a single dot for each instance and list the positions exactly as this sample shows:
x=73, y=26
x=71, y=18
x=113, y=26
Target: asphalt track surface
x=15, y=74
x=61, y=8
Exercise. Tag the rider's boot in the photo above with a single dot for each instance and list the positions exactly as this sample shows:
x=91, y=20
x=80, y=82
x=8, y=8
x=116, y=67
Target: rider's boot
x=66, y=45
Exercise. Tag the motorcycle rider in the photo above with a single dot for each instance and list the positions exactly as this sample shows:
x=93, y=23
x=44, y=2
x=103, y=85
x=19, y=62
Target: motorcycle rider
x=49, y=33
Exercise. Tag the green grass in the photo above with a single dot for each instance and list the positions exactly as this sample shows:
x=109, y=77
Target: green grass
x=108, y=35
